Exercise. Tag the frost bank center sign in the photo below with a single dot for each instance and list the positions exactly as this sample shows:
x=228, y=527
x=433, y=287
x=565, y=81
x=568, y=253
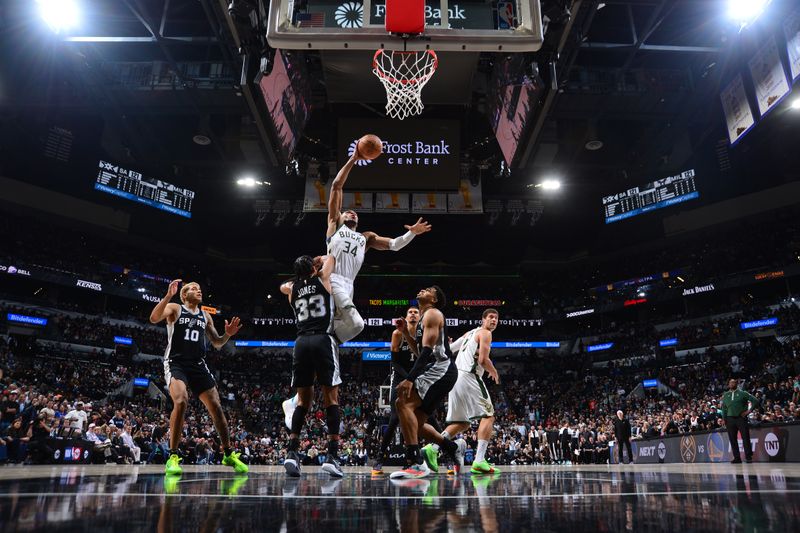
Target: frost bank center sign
x=350, y=14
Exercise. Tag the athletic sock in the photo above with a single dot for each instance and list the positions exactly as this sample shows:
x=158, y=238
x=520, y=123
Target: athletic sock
x=449, y=446
x=413, y=457
x=173, y=452
x=435, y=447
x=294, y=444
x=227, y=451
x=333, y=449
x=298, y=419
x=480, y=454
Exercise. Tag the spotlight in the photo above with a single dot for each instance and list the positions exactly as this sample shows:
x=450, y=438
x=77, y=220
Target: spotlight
x=641, y=294
x=795, y=103
x=59, y=14
x=548, y=185
x=250, y=182
x=746, y=11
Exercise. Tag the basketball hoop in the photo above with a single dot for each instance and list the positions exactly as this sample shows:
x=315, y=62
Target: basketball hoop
x=403, y=75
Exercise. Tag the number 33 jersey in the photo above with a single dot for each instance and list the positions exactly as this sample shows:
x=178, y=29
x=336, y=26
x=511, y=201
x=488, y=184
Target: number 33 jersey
x=186, y=337
x=313, y=307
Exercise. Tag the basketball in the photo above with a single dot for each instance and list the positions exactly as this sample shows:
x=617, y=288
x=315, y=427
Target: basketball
x=369, y=146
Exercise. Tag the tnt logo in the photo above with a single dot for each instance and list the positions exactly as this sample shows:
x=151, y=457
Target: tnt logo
x=772, y=445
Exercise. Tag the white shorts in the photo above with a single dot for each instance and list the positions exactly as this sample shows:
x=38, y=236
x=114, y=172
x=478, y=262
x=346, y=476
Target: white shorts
x=469, y=400
x=342, y=290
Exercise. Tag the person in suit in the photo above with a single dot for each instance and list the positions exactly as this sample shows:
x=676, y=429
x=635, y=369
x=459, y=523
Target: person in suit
x=622, y=433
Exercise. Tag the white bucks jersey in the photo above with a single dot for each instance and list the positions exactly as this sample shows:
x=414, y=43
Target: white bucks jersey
x=348, y=248
x=467, y=358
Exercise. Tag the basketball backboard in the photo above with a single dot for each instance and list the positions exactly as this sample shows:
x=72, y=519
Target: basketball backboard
x=450, y=25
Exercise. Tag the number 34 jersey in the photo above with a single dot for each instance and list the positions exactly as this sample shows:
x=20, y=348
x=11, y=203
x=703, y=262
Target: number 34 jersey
x=186, y=337
x=348, y=248
x=313, y=307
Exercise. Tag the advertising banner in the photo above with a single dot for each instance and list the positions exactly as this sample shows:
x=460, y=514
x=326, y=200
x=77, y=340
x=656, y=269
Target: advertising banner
x=770, y=444
x=429, y=203
x=418, y=155
x=467, y=200
x=392, y=202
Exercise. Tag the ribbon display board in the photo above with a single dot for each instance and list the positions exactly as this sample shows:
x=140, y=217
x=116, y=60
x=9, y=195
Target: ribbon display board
x=771, y=444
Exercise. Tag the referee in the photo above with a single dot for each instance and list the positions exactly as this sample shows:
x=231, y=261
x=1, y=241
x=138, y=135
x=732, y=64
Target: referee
x=735, y=408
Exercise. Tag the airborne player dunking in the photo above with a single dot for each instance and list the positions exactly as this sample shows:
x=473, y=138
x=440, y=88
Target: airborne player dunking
x=348, y=247
x=188, y=328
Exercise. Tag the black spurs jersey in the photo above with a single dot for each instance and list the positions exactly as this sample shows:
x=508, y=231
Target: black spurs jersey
x=186, y=337
x=313, y=307
x=441, y=350
x=407, y=357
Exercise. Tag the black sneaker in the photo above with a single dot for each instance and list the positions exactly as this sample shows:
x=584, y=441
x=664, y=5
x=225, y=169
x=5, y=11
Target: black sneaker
x=292, y=464
x=331, y=466
x=736, y=462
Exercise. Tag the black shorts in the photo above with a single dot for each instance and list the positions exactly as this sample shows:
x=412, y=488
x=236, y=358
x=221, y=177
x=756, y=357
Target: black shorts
x=316, y=354
x=195, y=374
x=435, y=384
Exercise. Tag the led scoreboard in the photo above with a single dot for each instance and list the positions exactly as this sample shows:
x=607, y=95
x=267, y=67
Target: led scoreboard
x=654, y=195
x=129, y=184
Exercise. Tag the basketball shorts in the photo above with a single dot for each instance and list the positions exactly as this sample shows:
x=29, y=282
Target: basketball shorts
x=195, y=374
x=315, y=355
x=435, y=383
x=469, y=400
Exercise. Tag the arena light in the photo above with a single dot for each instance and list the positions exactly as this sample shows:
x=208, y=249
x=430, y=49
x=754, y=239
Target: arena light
x=548, y=185
x=746, y=11
x=250, y=182
x=59, y=15
x=795, y=103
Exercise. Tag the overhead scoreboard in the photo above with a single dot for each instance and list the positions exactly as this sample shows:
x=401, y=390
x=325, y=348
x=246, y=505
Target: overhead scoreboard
x=132, y=185
x=655, y=195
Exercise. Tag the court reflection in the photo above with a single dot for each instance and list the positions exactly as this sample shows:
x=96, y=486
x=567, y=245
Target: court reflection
x=553, y=499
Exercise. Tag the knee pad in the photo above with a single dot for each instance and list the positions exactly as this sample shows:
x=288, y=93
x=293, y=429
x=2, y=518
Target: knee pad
x=333, y=418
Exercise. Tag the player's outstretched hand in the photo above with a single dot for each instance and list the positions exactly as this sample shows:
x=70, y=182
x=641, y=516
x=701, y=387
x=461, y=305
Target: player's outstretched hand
x=400, y=324
x=173, y=287
x=493, y=374
x=420, y=227
x=233, y=327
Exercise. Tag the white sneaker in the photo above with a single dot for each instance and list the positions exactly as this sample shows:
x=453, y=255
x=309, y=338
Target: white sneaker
x=288, y=410
x=331, y=466
x=412, y=472
x=458, y=466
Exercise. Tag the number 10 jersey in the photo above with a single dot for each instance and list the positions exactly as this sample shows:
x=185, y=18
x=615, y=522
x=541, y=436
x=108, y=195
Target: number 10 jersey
x=313, y=307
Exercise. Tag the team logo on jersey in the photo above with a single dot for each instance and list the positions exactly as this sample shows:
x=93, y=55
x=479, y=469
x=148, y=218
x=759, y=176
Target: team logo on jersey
x=352, y=149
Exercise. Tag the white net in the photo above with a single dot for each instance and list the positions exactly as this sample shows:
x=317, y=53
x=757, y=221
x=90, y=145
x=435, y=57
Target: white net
x=403, y=75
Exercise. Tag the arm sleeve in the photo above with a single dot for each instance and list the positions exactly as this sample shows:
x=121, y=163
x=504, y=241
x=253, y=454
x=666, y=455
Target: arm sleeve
x=425, y=356
x=398, y=243
x=398, y=369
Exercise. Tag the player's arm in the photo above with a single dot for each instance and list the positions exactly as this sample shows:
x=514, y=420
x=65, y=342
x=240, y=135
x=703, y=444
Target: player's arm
x=377, y=242
x=286, y=288
x=397, y=341
x=401, y=326
x=455, y=347
x=328, y=264
x=433, y=321
x=484, y=347
x=337, y=191
x=231, y=329
x=164, y=309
